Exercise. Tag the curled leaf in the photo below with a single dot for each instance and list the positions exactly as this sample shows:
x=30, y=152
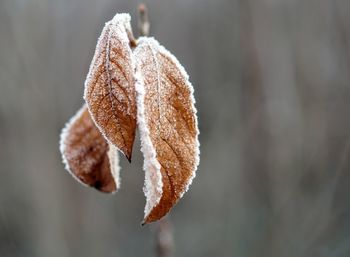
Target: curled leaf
x=87, y=155
x=168, y=127
x=110, y=85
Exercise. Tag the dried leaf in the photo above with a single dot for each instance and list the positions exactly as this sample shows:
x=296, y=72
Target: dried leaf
x=110, y=85
x=168, y=127
x=87, y=155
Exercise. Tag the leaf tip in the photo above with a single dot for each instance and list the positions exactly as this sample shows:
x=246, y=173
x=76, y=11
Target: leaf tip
x=128, y=154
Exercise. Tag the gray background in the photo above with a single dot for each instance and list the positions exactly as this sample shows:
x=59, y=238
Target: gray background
x=272, y=83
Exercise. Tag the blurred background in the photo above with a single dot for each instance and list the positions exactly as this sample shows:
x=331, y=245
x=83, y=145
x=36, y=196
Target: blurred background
x=272, y=84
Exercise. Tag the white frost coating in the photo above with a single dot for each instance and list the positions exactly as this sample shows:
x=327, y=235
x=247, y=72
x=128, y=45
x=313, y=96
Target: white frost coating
x=113, y=157
x=63, y=137
x=154, y=44
x=123, y=18
x=120, y=24
x=153, y=188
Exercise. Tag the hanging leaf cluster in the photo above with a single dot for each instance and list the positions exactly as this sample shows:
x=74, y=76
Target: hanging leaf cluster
x=134, y=84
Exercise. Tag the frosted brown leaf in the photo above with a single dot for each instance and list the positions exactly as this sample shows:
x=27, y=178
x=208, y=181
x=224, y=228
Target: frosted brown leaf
x=168, y=127
x=147, y=86
x=87, y=155
x=110, y=85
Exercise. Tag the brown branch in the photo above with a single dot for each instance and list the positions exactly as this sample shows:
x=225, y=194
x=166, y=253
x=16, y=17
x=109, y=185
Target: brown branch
x=143, y=23
x=164, y=238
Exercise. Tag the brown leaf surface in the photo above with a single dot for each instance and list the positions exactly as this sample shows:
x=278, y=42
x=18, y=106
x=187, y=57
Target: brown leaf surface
x=168, y=127
x=87, y=155
x=110, y=85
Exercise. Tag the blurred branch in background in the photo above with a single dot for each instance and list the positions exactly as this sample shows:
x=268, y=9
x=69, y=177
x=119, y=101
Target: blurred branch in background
x=164, y=238
x=143, y=22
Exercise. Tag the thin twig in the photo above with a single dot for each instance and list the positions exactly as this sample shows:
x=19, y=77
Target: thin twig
x=164, y=238
x=144, y=24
